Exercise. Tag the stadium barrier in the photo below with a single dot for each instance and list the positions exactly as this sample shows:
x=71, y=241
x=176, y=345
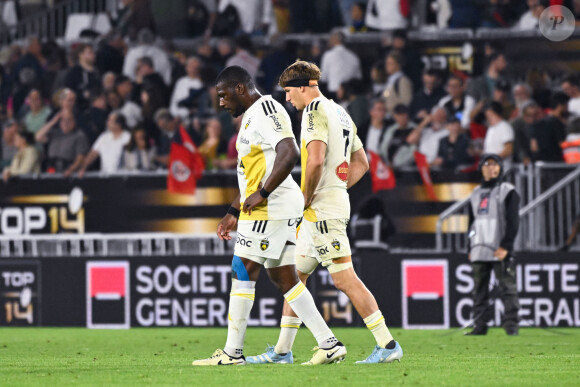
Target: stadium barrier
x=413, y=291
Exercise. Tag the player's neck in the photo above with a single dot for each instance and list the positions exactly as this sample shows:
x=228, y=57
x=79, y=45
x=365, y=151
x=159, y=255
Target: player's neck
x=253, y=96
x=311, y=94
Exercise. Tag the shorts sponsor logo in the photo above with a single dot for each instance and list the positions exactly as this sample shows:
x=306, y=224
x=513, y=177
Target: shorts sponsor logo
x=264, y=243
x=242, y=240
x=342, y=171
x=336, y=245
x=322, y=250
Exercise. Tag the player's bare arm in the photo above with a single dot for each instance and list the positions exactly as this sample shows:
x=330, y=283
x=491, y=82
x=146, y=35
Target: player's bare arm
x=314, y=165
x=229, y=221
x=287, y=155
x=359, y=165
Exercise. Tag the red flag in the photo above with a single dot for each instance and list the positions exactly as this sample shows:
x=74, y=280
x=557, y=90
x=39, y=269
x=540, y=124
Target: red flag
x=185, y=166
x=423, y=165
x=382, y=175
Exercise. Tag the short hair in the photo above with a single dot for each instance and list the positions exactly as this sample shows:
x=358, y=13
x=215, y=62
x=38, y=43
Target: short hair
x=27, y=136
x=145, y=36
x=401, y=109
x=300, y=70
x=233, y=75
x=559, y=98
x=495, y=107
x=81, y=48
x=456, y=77
x=163, y=114
x=121, y=78
x=146, y=60
x=572, y=79
x=120, y=119
x=397, y=56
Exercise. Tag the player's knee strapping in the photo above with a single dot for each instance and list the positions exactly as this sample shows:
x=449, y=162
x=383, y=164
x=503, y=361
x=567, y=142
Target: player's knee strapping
x=337, y=267
x=239, y=269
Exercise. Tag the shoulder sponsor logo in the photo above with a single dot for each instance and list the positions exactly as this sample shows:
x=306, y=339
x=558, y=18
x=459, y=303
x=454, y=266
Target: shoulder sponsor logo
x=277, y=124
x=310, y=122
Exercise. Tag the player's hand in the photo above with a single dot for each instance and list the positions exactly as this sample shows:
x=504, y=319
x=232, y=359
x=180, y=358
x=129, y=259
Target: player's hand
x=252, y=201
x=500, y=253
x=226, y=225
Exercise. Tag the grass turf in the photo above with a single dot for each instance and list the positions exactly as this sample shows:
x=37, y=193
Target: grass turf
x=64, y=356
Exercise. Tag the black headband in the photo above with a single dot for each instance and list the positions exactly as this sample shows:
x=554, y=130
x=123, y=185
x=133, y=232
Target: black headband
x=300, y=82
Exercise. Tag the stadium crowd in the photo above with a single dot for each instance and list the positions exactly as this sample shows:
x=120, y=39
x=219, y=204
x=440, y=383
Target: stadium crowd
x=117, y=103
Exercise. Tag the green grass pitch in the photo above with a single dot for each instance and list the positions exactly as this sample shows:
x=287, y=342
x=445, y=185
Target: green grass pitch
x=77, y=356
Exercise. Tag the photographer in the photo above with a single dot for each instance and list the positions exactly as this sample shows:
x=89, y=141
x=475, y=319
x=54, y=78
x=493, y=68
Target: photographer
x=493, y=226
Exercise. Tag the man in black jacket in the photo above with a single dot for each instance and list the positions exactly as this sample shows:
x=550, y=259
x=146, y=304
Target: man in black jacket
x=493, y=226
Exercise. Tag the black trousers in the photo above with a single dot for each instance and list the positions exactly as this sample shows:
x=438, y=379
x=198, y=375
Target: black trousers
x=505, y=273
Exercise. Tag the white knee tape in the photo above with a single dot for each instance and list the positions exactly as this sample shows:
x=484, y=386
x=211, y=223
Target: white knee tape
x=236, y=284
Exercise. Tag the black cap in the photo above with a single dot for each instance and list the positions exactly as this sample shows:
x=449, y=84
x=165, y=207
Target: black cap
x=488, y=156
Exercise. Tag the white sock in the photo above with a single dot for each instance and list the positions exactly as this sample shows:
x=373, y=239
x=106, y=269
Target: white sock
x=302, y=304
x=288, y=330
x=241, y=302
x=376, y=324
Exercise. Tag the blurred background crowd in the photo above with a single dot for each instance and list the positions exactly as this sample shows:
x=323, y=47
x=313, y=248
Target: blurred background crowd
x=115, y=101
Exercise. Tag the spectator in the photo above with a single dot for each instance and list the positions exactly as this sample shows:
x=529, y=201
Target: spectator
x=139, y=153
x=109, y=145
x=523, y=132
x=168, y=126
x=386, y=14
x=357, y=104
x=225, y=50
x=147, y=77
x=111, y=54
x=550, y=131
x=145, y=48
x=67, y=101
x=529, y=20
x=114, y=101
x=184, y=86
x=412, y=65
x=431, y=130
x=244, y=56
x=27, y=72
x=66, y=144
x=338, y=64
x=499, y=138
x=256, y=16
x=571, y=86
x=130, y=110
x=151, y=102
x=109, y=80
x=26, y=160
x=482, y=87
x=501, y=94
x=231, y=159
x=571, y=146
x=272, y=65
x=457, y=103
x=424, y=100
x=134, y=17
x=378, y=78
x=212, y=146
x=399, y=88
x=83, y=77
x=9, y=148
x=522, y=94
x=95, y=117
x=394, y=148
x=37, y=113
x=373, y=136
x=454, y=149
x=357, y=16
x=201, y=15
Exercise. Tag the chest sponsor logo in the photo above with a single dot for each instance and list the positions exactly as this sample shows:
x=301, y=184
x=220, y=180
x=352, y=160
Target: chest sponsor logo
x=342, y=171
x=244, y=140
